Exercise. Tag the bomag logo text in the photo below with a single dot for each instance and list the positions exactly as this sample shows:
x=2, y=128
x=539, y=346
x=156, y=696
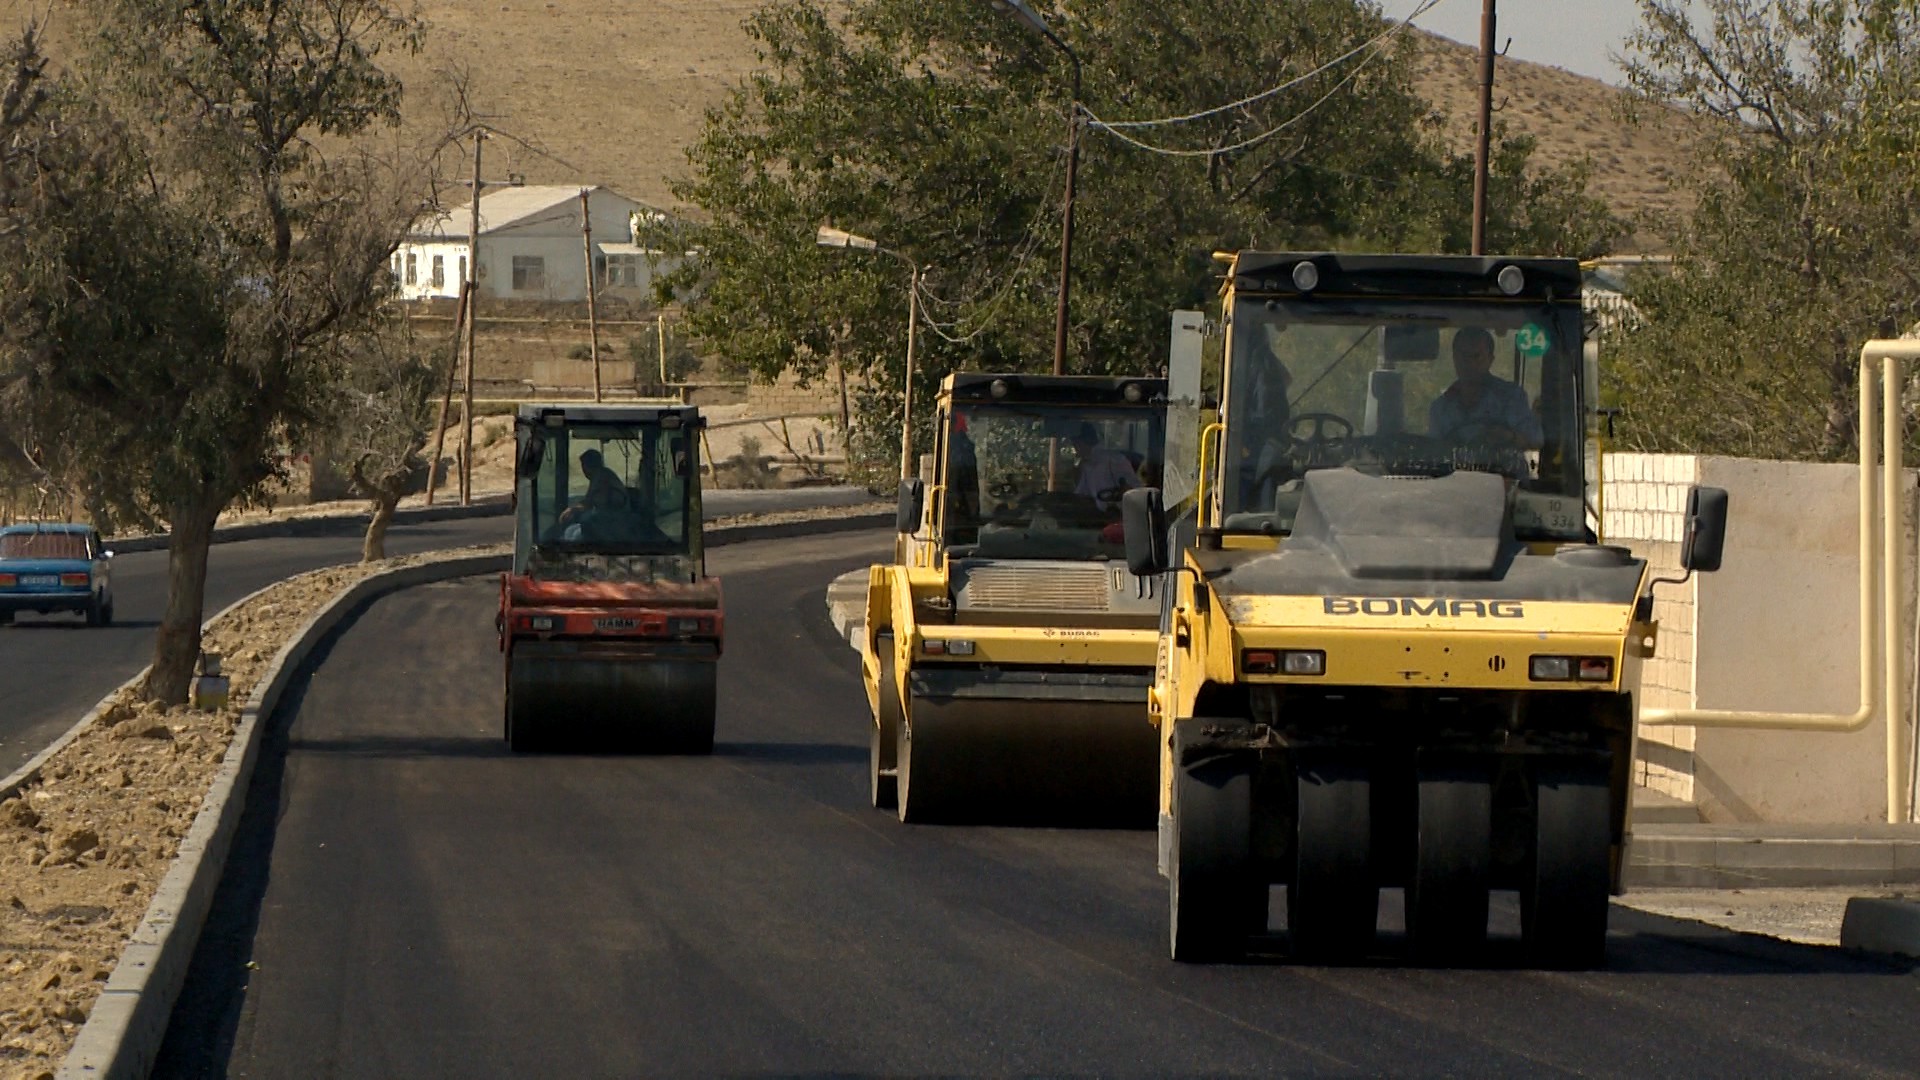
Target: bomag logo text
x=1432, y=606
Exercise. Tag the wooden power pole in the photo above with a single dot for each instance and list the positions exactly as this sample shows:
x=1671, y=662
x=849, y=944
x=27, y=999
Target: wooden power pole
x=593, y=315
x=473, y=295
x=1483, y=147
x=446, y=399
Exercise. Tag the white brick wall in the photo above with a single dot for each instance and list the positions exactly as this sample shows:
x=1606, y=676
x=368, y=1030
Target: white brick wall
x=1646, y=499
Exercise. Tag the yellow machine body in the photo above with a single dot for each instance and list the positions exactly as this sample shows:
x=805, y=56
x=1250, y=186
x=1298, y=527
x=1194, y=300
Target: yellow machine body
x=1393, y=652
x=1007, y=650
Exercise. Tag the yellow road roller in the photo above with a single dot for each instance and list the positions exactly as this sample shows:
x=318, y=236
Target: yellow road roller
x=1007, y=648
x=1394, y=654
x=610, y=626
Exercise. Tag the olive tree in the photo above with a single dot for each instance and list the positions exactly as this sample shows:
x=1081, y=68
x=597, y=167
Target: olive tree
x=384, y=415
x=274, y=252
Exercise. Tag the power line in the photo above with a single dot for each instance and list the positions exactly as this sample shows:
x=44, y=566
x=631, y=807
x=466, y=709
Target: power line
x=1255, y=99
x=1374, y=48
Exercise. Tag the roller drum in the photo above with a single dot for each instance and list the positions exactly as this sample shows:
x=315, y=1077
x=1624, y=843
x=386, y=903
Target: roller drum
x=1011, y=761
x=572, y=696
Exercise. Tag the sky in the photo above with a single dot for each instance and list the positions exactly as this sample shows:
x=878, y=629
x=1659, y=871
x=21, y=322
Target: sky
x=1574, y=34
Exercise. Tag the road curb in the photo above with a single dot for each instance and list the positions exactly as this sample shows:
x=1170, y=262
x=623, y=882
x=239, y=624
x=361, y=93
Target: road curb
x=847, y=605
x=488, y=506
x=721, y=536
x=1887, y=925
x=1723, y=857
x=128, y=1023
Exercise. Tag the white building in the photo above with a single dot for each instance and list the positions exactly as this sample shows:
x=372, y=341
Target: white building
x=531, y=247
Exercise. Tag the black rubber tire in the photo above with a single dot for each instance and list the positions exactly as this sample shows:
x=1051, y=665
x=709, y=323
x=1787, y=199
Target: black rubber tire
x=1333, y=900
x=883, y=748
x=1453, y=854
x=6, y=618
x=1214, y=900
x=1565, y=900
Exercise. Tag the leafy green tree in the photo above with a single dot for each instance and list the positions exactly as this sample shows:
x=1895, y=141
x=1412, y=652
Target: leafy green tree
x=190, y=287
x=938, y=130
x=1798, y=250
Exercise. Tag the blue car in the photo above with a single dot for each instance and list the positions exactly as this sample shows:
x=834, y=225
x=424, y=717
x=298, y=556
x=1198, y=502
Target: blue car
x=46, y=568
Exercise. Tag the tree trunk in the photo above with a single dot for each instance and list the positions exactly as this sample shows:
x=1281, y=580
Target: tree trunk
x=177, y=646
x=384, y=502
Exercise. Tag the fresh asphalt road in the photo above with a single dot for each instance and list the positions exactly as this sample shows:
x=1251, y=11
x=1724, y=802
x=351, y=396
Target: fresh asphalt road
x=407, y=899
x=54, y=668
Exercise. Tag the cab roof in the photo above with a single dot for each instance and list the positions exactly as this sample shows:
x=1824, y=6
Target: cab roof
x=975, y=386
x=1412, y=276
x=600, y=413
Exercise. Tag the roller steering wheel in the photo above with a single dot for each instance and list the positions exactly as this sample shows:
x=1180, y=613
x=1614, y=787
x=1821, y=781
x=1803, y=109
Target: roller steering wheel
x=1322, y=422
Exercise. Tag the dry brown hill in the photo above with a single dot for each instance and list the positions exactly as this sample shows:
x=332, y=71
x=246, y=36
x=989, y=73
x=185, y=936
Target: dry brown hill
x=1572, y=117
x=614, y=90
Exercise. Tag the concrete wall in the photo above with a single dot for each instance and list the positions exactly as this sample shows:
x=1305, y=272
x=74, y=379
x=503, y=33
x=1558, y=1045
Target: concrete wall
x=1776, y=629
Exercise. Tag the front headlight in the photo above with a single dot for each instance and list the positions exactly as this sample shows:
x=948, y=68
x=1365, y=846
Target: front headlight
x=1550, y=668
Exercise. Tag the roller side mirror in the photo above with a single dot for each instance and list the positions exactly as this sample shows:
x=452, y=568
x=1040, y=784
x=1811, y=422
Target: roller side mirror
x=1143, y=519
x=1706, y=533
x=913, y=503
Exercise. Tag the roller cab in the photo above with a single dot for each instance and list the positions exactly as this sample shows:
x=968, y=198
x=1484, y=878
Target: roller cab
x=610, y=627
x=1008, y=649
x=1394, y=653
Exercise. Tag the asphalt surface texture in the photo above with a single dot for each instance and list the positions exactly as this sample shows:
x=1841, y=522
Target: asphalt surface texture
x=408, y=899
x=53, y=668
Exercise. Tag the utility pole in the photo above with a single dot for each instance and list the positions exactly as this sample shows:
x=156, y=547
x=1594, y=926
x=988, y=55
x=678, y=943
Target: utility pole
x=593, y=316
x=1483, y=147
x=446, y=399
x=473, y=296
x=907, y=470
x=660, y=329
x=1066, y=222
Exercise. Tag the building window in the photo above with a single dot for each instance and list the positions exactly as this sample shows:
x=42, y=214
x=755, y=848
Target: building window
x=529, y=273
x=413, y=268
x=623, y=271
x=439, y=279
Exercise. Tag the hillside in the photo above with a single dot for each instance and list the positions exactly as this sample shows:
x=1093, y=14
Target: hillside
x=615, y=91
x=1571, y=116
